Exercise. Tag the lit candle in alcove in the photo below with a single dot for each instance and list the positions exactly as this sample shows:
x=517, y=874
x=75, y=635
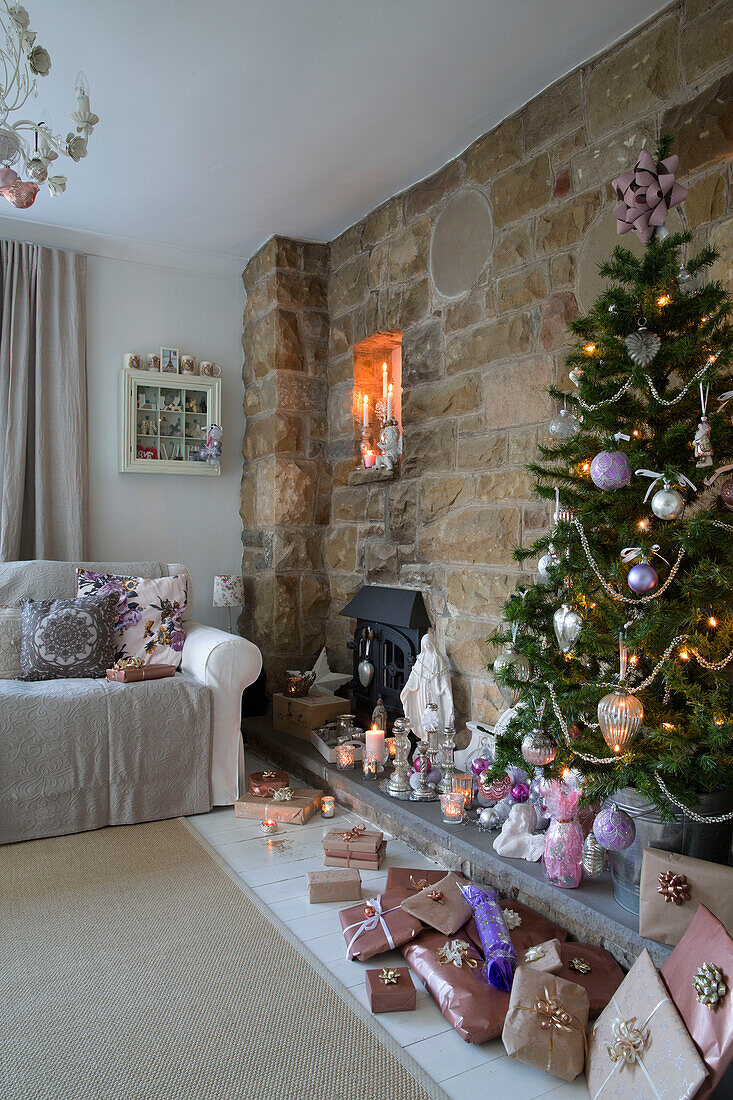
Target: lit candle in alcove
x=366, y=410
x=384, y=381
x=389, y=402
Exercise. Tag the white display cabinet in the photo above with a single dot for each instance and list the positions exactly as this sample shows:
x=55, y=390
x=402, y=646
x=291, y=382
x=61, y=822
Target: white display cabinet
x=163, y=422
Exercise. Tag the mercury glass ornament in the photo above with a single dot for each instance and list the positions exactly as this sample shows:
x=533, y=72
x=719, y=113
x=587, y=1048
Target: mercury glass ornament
x=667, y=503
x=568, y=624
x=538, y=748
x=594, y=857
x=726, y=493
x=36, y=169
x=521, y=668
x=610, y=470
x=685, y=281
x=520, y=792
x=614, y=829
x=564, y=426
x=489, y=818
x=642, y=578
x=546, y=561
x=642, y=346
x=620, y=715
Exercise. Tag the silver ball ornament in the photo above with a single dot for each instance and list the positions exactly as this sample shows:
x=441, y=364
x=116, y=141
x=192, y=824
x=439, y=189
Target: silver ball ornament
x=521, y=668
x=538, y=748
x=36, y=170
x=489, y=818
x=564, y=426
x=594, y=857
x=568, y=624
x=667, y=503
x=642, y=578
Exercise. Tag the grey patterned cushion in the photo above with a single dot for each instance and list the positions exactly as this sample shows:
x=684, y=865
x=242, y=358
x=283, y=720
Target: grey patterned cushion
x=62, y=639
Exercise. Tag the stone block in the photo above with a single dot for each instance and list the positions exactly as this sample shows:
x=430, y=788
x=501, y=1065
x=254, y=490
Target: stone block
x=499, y=339
x=561, y=307
x=476, y=307
x=563, y=149
x=341, y=370
x=428, y=579
x=438, y=495
x=419, y=199
x=341, y=336
x=599, y=163
x=348, y=286
x=272, y=433
x=522, y=445
x=261, y=297
x=408, y=252
x=295, y=491
x=521, y=289
x=475, y=535
x=415, y=304
x=401, y=511
x=486, y=701
x=513, y=247
x=553, y=112
x=347, y=246
x=522, y=191
x=721, y=237
x=296, y=551
x=562, y=183
x=562, y=270
x=381, y=562
x=247, y=496
x=300, y=291
x=475, y=452
x=315, y=596
x=496, y=151
x=344, y=587
x=285, y=631
x=340, y=410
x=515, y=393
x=707, y=199
x=316, y=257
x=703, y=126
x=377, y=265
x=466, y=644
x=381, y=222
x=707, y=43
x=349, y=504
x=339, y=548
x=480, y=592
x=422, y=353
x=633, y=79
x=426, y=450
x=535, y=521
x=289, y=253
x=300, y=392
x=450, y=397
x=258, y=344
x=565, y=225
x=315, y=326
x=509, y=483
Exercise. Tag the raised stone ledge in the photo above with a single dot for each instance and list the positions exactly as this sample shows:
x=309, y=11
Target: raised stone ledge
x=360, y=476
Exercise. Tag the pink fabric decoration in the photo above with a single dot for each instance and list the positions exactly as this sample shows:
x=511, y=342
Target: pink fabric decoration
x=646, y=195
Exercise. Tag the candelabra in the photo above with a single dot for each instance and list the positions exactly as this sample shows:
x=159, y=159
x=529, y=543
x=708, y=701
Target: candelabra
x=398, y=785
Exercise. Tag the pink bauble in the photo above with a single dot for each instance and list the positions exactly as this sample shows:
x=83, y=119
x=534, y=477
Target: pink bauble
x=20, y=194
x=495, y=789
x=610, y=470
x=614, y=829
x=7, y=176
x=480, y=764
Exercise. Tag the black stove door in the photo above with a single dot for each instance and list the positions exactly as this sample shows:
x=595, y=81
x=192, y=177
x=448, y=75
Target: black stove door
x=397, y=655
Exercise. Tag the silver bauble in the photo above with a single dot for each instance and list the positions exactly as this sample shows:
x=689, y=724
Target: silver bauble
x=564, y=426
x=642, y=346
x=489, y=818
x=547, y=560
x=521, y=668
x=668, y=503
x=36, y=170
x=575, y=375
x=538, y=748
x=567, y=623
x=594, y=857
x=620, y=715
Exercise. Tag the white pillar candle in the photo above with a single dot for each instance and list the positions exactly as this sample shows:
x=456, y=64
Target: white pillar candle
x=366, y=410
x=384, y=381
x=375, y=743
x=389, y=402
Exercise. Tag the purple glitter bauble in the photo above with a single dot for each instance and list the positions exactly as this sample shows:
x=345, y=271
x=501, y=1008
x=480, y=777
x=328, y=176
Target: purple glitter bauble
x=642, y=578
x=610, y=470
x=480, y=764
x=614, y=829
x=520, y=792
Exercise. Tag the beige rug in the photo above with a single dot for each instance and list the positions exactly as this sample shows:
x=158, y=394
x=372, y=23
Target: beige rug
x=134, y=967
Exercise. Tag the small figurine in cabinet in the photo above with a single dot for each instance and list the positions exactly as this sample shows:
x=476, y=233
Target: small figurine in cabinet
x=177, y=428
x=191, y=405
x=172, y=402
x=141, y=400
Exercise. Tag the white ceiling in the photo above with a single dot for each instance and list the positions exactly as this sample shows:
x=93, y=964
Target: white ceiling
x=224, y=122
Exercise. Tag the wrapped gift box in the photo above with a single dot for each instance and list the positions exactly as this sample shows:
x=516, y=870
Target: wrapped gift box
x=600, y=981
x=472, y=1007
x=441, y=906
x=357, y=847
x=300, y=716
x=263, y=784
x=365, y=861
x=333, y=885
x=377, y=925
x=711, y=1029
x=412, y=879
x=638, y=1048
x=391, y=989
x=147, y=672
x=301, y=807
x=545, y=1023
x=697, y=882
x=543, y=956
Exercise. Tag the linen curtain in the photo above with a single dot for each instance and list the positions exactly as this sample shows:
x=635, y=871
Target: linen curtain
x=43, y=403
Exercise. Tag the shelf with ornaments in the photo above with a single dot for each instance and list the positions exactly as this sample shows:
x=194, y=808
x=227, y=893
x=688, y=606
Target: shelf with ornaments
x=164, y=426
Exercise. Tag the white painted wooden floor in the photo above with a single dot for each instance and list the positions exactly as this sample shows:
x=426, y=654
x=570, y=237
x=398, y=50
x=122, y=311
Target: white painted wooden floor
x=275, y=868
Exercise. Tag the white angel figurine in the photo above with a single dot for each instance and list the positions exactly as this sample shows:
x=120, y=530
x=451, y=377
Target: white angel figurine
x=429, y=682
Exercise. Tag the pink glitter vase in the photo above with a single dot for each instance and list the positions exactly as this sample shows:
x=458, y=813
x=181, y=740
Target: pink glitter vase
x=564, y=839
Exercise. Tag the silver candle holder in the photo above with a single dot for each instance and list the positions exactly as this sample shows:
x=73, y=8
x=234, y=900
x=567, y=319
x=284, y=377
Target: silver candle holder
x=424, y=792
x=398, y=784
x=445, y=760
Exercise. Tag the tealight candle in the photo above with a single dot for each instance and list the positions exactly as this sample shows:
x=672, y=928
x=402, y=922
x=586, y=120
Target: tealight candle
x=369, y=766
x=328, y=807
x=344, y=757
x=451, y=806
x=463, y=784
x=370, y=460
x=268, y=827
x=391, y=747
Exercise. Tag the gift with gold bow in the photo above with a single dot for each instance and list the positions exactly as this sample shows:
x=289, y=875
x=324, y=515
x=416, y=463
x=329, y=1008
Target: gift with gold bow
x=545, y=1023
x=639, y=1048
x=442, y=905
x=391, y=989
x=303, y=803
x=672, y=887
x=262, y=784
x=355, y=847
x=412, y=879
x=543, y=956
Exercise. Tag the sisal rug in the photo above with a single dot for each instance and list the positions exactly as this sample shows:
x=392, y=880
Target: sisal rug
x=134, y=967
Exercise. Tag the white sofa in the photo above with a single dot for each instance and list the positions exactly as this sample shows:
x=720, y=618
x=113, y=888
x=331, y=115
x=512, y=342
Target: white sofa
x=78, y=754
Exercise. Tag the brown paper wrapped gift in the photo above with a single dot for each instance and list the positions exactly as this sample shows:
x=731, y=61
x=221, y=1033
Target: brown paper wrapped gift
x=545, y=1023
x=358, y=840
x=412, y=879
x=472, y=1007
x=367, y=861
x=377, y=925
x=531, y=930
x=638, y=1048
x=600, y=981
x=542, y=956
x=263, y=784
x=688, y=883
x=441, y=906
x=711, y=1029
x=134, y=675
x=301, y=807
x=333, y=885
x=391, y=989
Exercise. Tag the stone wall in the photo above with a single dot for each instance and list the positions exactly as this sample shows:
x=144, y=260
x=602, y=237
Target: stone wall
x=475, y=368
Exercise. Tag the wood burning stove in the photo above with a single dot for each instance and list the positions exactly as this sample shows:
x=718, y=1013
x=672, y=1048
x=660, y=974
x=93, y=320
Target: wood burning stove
x=390, y=624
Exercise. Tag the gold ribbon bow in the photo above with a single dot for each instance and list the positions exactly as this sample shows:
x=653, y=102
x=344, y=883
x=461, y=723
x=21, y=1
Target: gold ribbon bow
x=269, y=775
x=532, y=954
x=389, y=977
x=352, y=834
x=628, y=1041
x=130, y=662
x=437, y=895
x=421, y=884
x=673, y=887
x=456, y=952
x=581, y=965
x=555, y=1017
x=283, y=795
x=709, y=986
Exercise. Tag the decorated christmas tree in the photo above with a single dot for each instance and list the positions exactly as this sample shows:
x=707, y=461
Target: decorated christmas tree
x=619, y=658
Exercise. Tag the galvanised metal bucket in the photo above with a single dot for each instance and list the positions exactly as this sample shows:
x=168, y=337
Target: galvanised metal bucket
x=711, y=842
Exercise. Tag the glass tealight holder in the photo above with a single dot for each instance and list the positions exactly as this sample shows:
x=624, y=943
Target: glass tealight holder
x=463, y=784
x=391, y=748
x=268, y=827
x=370, y=766
x=451, y=806
x=345, y=757
x=328, y=805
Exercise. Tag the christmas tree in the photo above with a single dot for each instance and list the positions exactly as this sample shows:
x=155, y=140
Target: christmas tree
x=620, y=656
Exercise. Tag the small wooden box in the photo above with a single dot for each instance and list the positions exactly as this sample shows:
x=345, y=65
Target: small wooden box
x=301, y=715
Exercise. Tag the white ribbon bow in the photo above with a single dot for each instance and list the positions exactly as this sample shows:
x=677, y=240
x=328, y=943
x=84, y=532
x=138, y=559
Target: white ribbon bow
x=661, y=477
x=630, y=553
x=453, y=951
x=725, y=398
x=370, y=923
x=638, y=1061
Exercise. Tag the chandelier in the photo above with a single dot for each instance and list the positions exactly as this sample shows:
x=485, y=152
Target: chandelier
x=32, y=145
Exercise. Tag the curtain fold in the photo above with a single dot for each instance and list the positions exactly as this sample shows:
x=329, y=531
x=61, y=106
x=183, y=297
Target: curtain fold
x=43, y=404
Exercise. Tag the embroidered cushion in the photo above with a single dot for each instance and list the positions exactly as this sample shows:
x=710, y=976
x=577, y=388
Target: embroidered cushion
x=149, y=614
x=10, y=633
x=67, y=639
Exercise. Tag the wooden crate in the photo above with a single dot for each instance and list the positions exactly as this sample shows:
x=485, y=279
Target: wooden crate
x=300, y=716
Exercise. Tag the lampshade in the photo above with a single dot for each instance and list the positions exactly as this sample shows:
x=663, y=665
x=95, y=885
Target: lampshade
x=228, y=592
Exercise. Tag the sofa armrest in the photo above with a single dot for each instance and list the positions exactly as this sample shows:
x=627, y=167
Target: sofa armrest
x=226, y=664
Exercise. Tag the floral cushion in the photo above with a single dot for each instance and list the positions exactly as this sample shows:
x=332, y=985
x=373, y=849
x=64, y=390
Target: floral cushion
x=149, y=614
x=67, y=639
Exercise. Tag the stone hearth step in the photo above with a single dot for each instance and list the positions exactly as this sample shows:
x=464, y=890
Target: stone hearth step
x=589, y=913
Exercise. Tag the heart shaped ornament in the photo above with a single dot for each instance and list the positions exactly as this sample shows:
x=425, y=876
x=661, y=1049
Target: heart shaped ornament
x=642, y=346
x=366, y=673
x=568, y=624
